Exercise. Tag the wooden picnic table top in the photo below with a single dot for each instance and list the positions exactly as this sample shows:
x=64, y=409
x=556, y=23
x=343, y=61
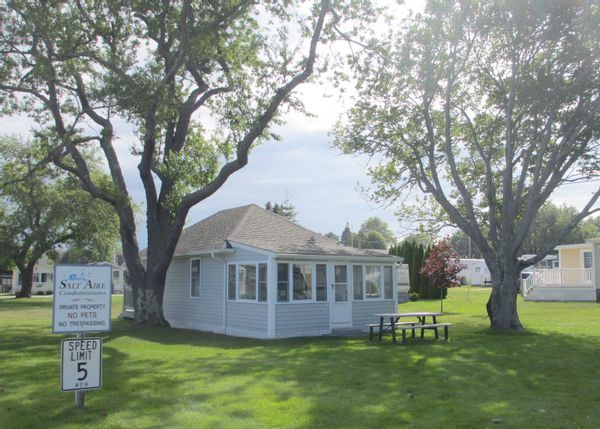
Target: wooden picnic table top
x=414, y=314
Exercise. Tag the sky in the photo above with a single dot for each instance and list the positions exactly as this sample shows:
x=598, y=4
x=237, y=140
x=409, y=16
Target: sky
x=303, y=168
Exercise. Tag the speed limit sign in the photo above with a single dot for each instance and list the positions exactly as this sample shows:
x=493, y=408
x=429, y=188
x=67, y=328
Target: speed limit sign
x=81, y=367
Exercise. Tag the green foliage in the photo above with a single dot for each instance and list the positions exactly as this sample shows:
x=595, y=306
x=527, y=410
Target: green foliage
x=347, y=237
x=550, y=220
x=285, y=209
x=44, y=208
x=464, y=246
x=202, y=83
x=413, y=296
x=333, y=236
x=486, y=108
x=375, y=233
x=433, y=101
x=547, y=224
x=191, y=168
x=414, y=255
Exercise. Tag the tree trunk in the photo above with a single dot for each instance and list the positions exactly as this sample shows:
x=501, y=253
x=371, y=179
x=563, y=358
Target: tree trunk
x=149, y=299
x=163, y=235
x=502, y=304
x=26, y=280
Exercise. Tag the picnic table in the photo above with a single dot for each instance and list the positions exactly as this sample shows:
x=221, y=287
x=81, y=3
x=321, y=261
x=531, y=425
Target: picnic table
x=396, y=323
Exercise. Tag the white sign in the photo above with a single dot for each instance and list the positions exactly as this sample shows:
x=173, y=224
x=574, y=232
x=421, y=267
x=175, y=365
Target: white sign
x=81, y=367
x=82, y=297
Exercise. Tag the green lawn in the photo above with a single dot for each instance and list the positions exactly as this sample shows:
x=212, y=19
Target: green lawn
x=165, y=378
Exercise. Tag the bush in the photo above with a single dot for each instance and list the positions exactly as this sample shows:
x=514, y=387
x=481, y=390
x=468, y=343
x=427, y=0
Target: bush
x=413, y=296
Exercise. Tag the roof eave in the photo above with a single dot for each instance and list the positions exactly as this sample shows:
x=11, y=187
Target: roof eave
x=302, y=257
x=585, y=245
x=221, y=251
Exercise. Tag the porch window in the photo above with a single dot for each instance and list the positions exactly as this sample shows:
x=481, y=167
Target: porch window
x=247, y=281
x=262, y=282
x=321, y=282
x=302, y=282
x=357, y=281
x=282, y=282
x=373, y=281
x=195, y=277
x=387, y=282
x=36, y=277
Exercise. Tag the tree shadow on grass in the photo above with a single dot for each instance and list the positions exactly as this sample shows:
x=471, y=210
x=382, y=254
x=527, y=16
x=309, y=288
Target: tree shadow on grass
x=357, y=383
x=158, y=377
x=25, y=304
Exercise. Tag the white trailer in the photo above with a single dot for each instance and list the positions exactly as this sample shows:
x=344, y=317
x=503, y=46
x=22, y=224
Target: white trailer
x=475, y=273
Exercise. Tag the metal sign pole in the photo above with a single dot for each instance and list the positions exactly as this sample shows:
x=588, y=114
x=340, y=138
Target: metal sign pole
x=80, y=394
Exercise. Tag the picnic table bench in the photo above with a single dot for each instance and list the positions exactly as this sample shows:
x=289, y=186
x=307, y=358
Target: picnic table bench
x=394, y=324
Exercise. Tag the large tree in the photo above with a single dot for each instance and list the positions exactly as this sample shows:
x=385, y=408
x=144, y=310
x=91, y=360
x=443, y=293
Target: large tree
x=487, y=107
x=375, y=233
x=550, y=221
x=44, y=208
x=202, y=82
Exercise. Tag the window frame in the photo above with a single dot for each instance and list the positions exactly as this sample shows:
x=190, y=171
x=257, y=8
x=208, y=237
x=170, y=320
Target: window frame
x=256, y=265
x=313, y=282
x=362, y=283
x=583, y=253
x=192, y=260
x=381, y=296
x=313, y=285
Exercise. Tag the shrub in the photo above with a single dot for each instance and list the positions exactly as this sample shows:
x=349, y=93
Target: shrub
x=413, y=296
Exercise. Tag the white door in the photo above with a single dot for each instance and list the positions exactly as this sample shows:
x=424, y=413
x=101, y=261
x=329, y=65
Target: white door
x=340, y=303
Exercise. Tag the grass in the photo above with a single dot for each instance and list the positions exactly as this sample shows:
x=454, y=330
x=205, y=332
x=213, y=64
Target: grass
x=548, y=377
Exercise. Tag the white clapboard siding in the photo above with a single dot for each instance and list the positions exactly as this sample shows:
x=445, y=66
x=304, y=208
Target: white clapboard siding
x=310, y=319
x=247, y=319
x=184, y=311
x=363, y=312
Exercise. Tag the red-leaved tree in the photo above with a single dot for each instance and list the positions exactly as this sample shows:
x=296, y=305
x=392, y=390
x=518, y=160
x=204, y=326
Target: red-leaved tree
x=442, y=267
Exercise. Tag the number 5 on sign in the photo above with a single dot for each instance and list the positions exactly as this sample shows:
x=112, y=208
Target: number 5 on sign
x=81, y=367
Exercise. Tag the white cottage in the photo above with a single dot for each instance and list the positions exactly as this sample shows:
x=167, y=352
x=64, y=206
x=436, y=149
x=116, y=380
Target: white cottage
x=251, y=273
x=118, y=276
x=576, y=279
x=43, y=278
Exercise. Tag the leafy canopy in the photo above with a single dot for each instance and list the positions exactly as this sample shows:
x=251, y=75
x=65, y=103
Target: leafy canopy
x=42, y=208
x=487, y=108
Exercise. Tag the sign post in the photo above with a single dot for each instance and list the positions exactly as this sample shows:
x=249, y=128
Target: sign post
x=82, y=303
x=81, y=366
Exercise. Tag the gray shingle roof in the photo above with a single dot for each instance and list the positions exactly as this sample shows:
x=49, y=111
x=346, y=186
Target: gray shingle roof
x=254, y=226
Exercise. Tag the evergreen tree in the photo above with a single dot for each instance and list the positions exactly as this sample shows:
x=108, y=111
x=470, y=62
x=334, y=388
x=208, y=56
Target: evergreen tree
x=346, y=238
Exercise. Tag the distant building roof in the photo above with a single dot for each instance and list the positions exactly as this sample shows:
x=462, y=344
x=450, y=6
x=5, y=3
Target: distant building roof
x=528, y=256
x=254, y=226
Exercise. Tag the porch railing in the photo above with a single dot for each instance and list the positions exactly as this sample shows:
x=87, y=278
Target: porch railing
x=563, y=277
